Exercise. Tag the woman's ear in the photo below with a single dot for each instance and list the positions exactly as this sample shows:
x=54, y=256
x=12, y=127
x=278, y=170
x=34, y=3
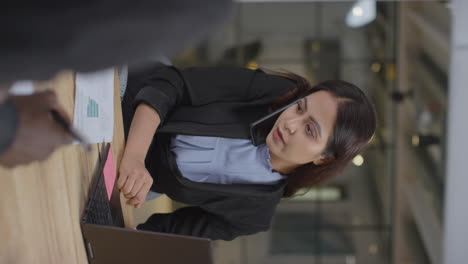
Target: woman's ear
x=323, y=160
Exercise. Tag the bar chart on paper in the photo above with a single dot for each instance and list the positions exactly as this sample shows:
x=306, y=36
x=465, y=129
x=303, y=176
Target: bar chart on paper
x=94, y=105
x=92, y=109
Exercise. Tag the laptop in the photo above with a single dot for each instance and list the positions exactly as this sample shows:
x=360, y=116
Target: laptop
x=108, y=241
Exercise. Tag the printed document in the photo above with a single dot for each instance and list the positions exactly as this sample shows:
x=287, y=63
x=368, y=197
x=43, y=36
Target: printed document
x=94, y=105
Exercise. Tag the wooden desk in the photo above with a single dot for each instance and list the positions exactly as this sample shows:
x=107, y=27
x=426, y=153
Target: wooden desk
x=41, y=204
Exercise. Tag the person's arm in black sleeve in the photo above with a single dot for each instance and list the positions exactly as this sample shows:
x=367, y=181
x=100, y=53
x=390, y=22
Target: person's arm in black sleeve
x=194, y=221
x=92, y=35
x=169, y=87
x=223, y=219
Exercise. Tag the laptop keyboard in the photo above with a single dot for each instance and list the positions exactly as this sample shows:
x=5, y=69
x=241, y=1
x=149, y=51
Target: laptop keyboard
x=98, y=210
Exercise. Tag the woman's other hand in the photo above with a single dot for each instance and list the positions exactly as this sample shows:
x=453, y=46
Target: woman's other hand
x=37, y=134
x=134, y=180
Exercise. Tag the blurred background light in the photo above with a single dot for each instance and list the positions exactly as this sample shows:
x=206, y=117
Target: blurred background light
x=362, y=13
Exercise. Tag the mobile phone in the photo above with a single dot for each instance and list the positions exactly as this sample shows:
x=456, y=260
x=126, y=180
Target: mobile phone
x=259, y=127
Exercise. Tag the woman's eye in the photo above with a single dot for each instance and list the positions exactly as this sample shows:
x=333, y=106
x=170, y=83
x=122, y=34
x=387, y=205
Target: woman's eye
x=309, y=130
x=299, y=108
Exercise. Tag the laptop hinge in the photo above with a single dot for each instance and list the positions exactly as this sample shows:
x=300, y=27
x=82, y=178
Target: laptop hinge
x=89, y=249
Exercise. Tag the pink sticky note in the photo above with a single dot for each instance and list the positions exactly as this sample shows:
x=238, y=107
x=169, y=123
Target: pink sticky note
x=109, y=173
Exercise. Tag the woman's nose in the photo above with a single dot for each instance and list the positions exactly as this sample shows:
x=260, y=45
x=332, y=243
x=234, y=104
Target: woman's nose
x=291, y=124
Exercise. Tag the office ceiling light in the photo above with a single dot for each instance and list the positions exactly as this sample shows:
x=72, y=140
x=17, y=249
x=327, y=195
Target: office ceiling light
x=362, y=13
x=358, y=160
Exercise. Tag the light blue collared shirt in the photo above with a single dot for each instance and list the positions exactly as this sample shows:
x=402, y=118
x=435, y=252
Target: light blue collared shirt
x=223, y=160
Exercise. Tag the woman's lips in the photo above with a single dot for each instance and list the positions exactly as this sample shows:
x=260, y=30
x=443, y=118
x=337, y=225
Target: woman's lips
x=278, y=135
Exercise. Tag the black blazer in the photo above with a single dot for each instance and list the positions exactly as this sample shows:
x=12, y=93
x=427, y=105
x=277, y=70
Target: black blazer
x=205, y=102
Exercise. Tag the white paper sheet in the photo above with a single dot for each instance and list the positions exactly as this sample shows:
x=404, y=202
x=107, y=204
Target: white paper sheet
x=94, y=105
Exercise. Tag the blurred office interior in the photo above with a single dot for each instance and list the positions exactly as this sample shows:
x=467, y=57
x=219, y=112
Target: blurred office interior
x=389, y=205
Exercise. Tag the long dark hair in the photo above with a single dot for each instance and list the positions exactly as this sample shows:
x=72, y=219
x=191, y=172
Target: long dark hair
x=355, y=124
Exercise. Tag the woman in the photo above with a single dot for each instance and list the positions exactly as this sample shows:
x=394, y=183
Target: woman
x=188, y=137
